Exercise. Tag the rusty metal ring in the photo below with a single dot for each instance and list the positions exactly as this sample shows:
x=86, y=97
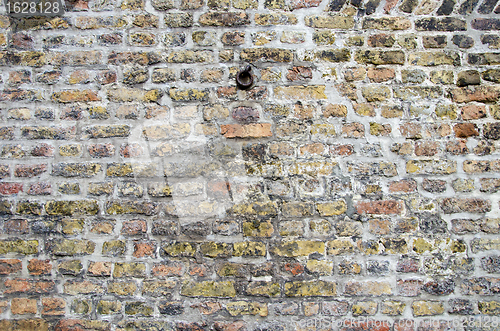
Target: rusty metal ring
x=244, y=78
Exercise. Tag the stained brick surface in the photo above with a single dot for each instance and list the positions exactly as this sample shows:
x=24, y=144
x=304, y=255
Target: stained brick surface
x=353, y=186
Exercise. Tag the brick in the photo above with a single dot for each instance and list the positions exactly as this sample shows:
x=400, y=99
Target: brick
x=472, y=205
x=101, y=131
x=28, y=286
x=69, y=247
x=133, y=269
x=75, y=96
x=367, y=288
x=87, y=23
x=39, y=267
x=489, y=307
x=224, y=19
x=69, y=208
x=10, y=188
x=427, y=308
x=41, y=132
x=138, y=58
x=472, y=93
x=208, y=289
x=10, y=266
x=266, y=54
x=85, y=170
x=53, y=307
x=275, y=19
x=434, y=59
x=246, y=131
x=440, y=24
x=124, y=94
x=380, y=57
x=19, y=306
x=298, y=248
x=329, y=22
x=387, y=23
x=379, y=207
x=310, y=288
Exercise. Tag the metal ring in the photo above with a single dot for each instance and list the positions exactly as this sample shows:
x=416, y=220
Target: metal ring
x=244, y=78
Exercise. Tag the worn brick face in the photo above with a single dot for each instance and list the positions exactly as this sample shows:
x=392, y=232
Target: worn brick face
x=143, y=188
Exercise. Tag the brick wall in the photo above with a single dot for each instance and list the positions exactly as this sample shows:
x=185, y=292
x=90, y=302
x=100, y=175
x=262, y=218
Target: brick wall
x=357, y=180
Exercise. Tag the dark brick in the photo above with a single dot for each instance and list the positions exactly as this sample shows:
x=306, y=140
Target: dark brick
x=442, y=24
x=463, y=41
x=446, y=7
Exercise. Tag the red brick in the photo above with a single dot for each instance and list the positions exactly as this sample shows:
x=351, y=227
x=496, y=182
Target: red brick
x=312, y=149
x=29, y=171
x=28, y=286
x=473, y=112
x=297, y=4
x=39, y=267
x=257, y=130
x=353, y=130
x=10, y=188
x=197, y=269
x=20, y=306
x=144, y=249
x=465, y=130
x=43, y=150
x=19, y=77
x=370, y=325
x=99, y=269
x=426, y=148
x=53, y=306
x=295, y=269
x=168, y=269
x=106, y=77
x=101, y=150
x=403, y=186
x=379, y=75
x=299, y=74
x=134, y=227
x=379, y=207
x=341, y=150
x=404, y=325
x=40, y=189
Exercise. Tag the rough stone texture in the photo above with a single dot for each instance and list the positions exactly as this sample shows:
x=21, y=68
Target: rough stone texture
x=354, y=181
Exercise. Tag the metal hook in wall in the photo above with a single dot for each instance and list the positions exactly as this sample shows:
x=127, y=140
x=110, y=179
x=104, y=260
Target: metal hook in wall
x=244, y=78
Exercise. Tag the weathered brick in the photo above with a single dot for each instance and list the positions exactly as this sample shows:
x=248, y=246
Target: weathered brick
x=208, y=289
x=367, y=288
x=472, y=205
x=224, y=19
x=298, y=248
x=380, y=57
x=330, y=22
x=266, y=54
x=69, y=247
x=427, y=308
x=387, y=23
x=379, y=207
x=69, y=208
x=123, y=94
x=440, y=24
x=28, y=286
